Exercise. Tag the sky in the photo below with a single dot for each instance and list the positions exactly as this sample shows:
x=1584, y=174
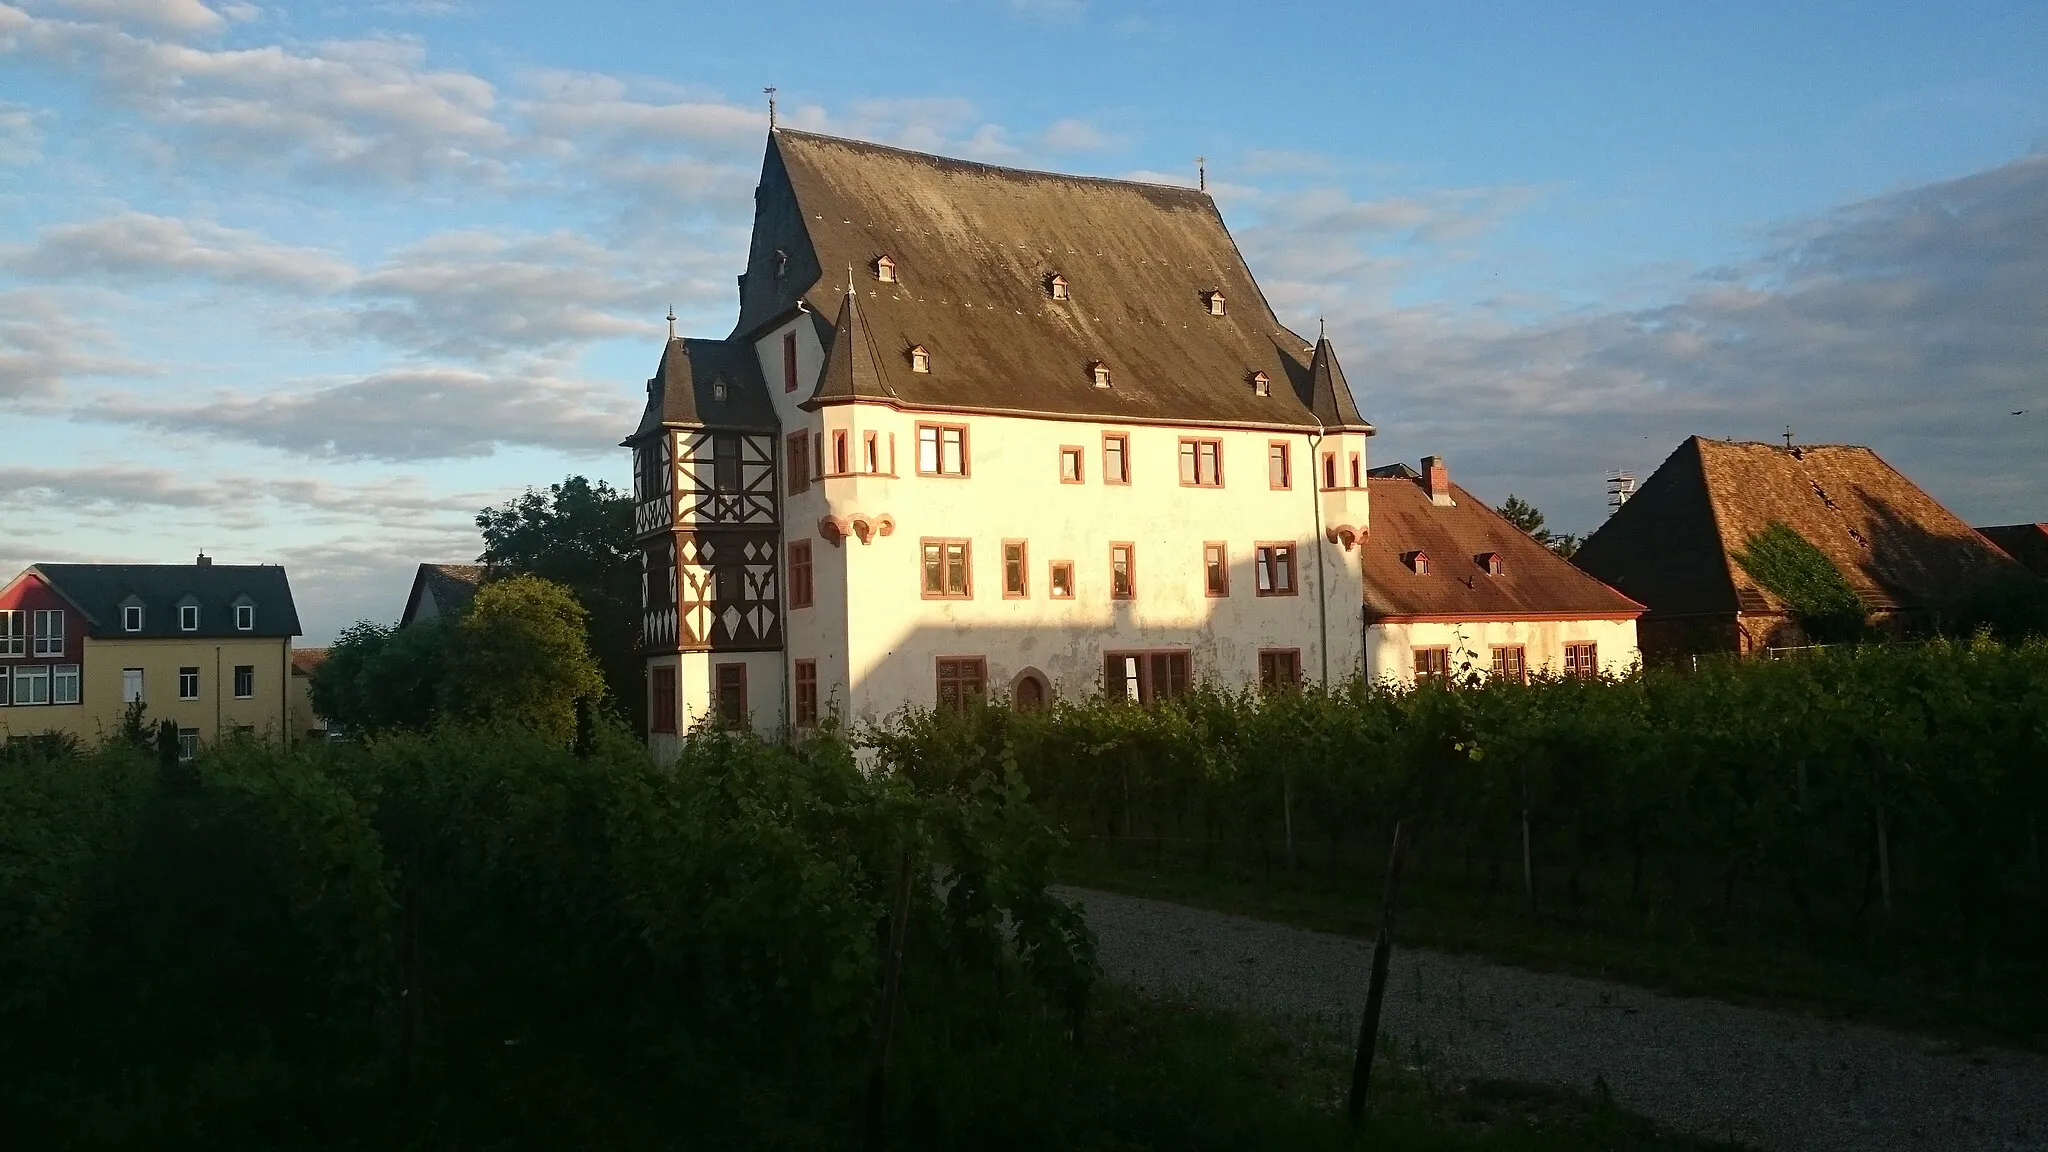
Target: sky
x=310, y=284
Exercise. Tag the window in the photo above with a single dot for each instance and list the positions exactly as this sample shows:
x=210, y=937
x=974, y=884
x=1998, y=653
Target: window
x=661, y=702
x=941, y=450
x=64, y=684
x=1216, y=568
x=1116, y=458
x=1582, y=660
x=818, y=447
x=805, y=679
x=885, y=270
x=800, y=587
x=1279, y=668
x=1275, y=564
x=1355, y=474
x=789, y=362
x=1145, y=677
x=1070, y=465
x=1262, y=385
x=188, y=617
x=1432, y=663
x=1278, y=472
x=1099, y=373
x=1056, y=285
x=725, y=463
x=245, y=681
x=188, y=683
x=32, y=684
x=1123, y=577
x=1418, y=562
x=131, y=618
x=871, y=450
x=245, y=617
x=1329, y=469
x=842, y=457
x=730, y=683
x=3, y=686
x=49, y=632
x=1201, y=463
x=798, y=460
x=1016, y=581
x=1029, y=694
x=13, y=633
x=131, y=685
x=1492, y=562
x=1061, y=581
x=946, y=570
x=1213, y=300
x=1508, y=663
x=188, y=745
x=920, y=360
x=961, y=679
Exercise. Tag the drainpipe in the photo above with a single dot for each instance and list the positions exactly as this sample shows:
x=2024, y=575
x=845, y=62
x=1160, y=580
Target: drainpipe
x=1315, y=497
x=216, y=693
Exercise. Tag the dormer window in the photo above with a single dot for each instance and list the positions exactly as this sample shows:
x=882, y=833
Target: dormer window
x=131, y=617
x=1056, y=286
x=718, y=389
x=1214, y=301
x=920, y=360
x=1099, y=372
x=885, y=270
x=245, y=617
x=1418, y=562
x=1261, y=384
x=188, y=617
x=1491, y=561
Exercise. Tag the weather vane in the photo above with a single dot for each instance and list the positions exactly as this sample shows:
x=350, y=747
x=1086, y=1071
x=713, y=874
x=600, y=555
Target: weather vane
x=771, y=107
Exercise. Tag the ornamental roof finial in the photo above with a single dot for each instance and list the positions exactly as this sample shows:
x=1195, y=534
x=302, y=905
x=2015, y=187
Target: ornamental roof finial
x=770, y=90
x=671, y=321
x=1202, y=173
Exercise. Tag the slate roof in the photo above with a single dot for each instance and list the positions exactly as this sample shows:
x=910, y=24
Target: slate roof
x=1672, y=545
x=2026, y=543
x=683, y=389
x=1534, y=584
x=453, y=586
x=974, y=246
x=101, y=590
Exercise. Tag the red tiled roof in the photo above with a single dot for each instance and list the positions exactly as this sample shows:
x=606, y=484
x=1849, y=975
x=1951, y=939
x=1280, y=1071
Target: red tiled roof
x=305, y=660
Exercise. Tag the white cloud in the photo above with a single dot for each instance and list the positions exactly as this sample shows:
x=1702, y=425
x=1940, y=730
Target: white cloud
x=43, y=344
x=140, y=246
x=1072, y=135
x=173, y=16
x=21, y=137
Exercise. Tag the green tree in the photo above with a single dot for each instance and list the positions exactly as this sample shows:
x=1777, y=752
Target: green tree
x=1525, y=516
x=379, y=679
x=521, y=655
x=580, y=535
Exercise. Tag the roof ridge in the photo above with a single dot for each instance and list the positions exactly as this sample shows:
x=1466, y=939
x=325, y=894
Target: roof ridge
x=956, y=162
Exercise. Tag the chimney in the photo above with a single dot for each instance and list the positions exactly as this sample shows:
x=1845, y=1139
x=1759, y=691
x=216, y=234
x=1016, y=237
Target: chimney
x=1436, y=479
x=205, y=561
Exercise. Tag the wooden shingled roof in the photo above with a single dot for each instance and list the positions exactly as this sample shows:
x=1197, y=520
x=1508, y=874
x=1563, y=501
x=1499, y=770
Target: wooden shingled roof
x=1533, y=582
x=1673, y=545
x=974, y=248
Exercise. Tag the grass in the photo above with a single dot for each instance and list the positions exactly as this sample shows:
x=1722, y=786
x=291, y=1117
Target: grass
x=1994, y=1004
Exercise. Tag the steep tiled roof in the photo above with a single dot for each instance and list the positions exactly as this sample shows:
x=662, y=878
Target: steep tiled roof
x=305, y=661
x=1533, y=583
x=684, y=388
x=452, y=585
x=2026, y=543
x=102, y=590
x=1673, y=544
x=974, y=246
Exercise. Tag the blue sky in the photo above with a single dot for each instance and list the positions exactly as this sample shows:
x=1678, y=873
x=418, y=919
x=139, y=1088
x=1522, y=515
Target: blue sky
x=311, y=283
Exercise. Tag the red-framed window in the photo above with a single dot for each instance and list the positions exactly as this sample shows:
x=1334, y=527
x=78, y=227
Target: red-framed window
x=1279, y=470
x=1146, y=677
x=1432, y=663
x=961, y=679
x=1582, y=660
x=804, y=679
x=789, y=362
x=799, y=462
x=1201, y=463
x=1275, y=564
x=1060, y=580
x=941, y=450
x=801, y=589
x=948, y=569
x=1510, y=662
x=661, y=700
x=1123, y=571
x=729, y=683
x=1072, y=465
x=1216, y=568
x=1116, y=458
x=1279, y=668
x=1016, y=570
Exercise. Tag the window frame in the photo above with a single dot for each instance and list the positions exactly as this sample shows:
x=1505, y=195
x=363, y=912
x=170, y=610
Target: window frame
x=726, y=445
x=1191, y=453
x=1079, y=456
x=245, y=612
x=939, y=450
x=1431, y=662
x=798, y=559
x=243, y=671
x=718, y=686
x=1052, y=580
x=1357, y=471
x=140, y=686
x=188, y=745
x=1023, y=569
x=30, y=674
x=13, y=632
x=193, y=610
x=59, y=675
x=842, y=453
x=1130, y=551
x=978, y=665
x=1147, y=665
x=47, y=641
x=942, y=543
x=1282, y=453
x=661, y=700
x=797, y=462
x=1503, y=665
x=138, y=618
x=1273, y=656
x=1266, y=567
x=803, y=679
x=191, y=671
x=1582, y=659
x=789, y=361
x=1123, y=456
x=1219, y=566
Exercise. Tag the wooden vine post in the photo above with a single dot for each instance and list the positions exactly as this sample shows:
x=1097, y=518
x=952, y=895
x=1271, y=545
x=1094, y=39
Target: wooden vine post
x=1375, y=993
x=885, y=1019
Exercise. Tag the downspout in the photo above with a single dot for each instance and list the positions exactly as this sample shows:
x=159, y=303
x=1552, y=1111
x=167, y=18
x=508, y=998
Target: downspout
x=1315, y=497
x=216, y=693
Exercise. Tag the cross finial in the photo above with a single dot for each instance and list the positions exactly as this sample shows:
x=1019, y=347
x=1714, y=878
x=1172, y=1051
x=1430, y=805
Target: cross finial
x=1788, y=435
x=1322, y=332
x=1202, y=172
x=849, y=279
x=671, y=321
x=770, y=90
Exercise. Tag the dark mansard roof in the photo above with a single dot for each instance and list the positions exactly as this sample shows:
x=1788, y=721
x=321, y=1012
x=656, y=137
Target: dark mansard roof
x=100, y=591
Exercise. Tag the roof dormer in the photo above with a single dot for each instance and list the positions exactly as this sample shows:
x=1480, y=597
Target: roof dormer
x=188, y=613
x=920, y=360
x=1492, y=562
x=1056, y=286
x=245, y=613
x=885, y=269
x=1099, y=373
x=1417, y=562
x=1262, y=385
x=1213, y=301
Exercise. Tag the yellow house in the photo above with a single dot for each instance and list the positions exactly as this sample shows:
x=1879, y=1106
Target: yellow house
x=207, y=646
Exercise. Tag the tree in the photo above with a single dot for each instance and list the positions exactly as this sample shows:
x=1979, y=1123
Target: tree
x=378, y=679
x=1525, y=516
x=580, y=535
x=521, y=655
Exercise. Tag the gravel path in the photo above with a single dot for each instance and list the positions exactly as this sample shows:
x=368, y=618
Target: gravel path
x=1768, y=1080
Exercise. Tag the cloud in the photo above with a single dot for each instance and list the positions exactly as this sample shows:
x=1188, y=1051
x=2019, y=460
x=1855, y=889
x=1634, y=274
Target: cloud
x=1048, y=10
x=401, y=414
x=138, y=246
x=184, y=17
x=43, y=344
x=21, y=137
x=122, y=488
x=1071, y=135
x=1910, y=322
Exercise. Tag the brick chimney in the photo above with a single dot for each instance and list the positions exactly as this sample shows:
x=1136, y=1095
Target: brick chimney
x=205, y=561
x=1436, y=479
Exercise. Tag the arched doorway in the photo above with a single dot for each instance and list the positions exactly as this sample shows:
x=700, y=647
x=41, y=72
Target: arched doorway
x=1029, y=692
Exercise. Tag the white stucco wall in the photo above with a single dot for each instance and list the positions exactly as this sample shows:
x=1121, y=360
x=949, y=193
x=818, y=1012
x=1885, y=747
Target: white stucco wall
x=1391, y=646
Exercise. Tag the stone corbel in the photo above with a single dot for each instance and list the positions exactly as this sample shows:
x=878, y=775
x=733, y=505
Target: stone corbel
x=833, y=529
x=859, y=525
x=1345, y=534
